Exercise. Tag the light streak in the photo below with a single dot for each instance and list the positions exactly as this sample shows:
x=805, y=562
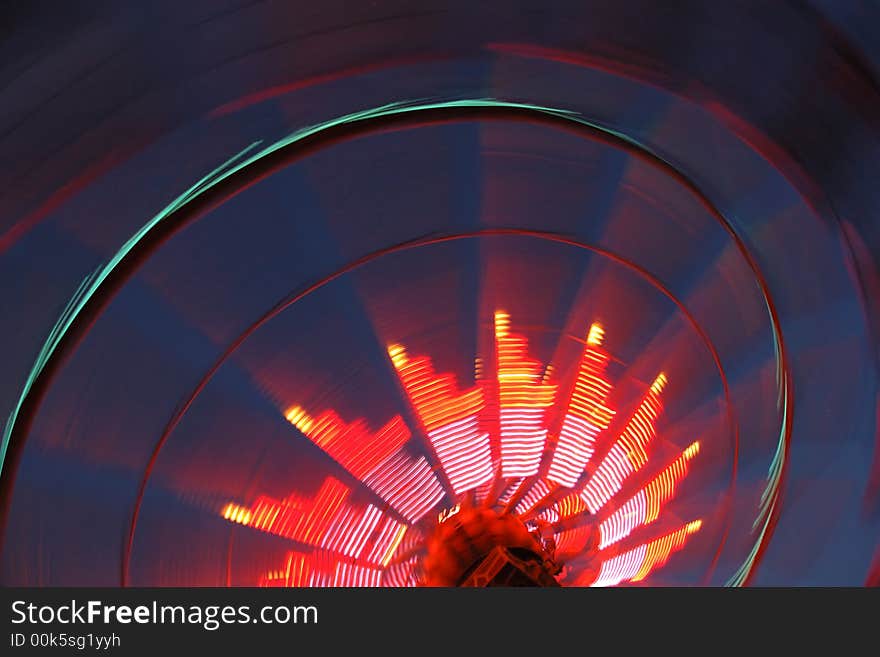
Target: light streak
x=629, y=453
x=586, y=415
x=524, y=398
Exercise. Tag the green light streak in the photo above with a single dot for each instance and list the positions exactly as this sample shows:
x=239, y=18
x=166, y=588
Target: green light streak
x=233, y=165
x=90, y=285
x=770, y=494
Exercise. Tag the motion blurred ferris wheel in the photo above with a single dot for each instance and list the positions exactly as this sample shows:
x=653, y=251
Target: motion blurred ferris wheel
x=516, y=515
x=495, y=304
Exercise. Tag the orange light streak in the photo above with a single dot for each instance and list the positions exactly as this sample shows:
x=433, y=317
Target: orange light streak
x=319, y=569
x=636, y=564
x=572, y=540
x=524, y=398
x=408, y=484
x=235, y=513
x=571, y=505
x=450, y=418
x=535, y=494
x=325, y=521
x=644, y=507
x=629, y=452
x=376, y=458
x=353, y=445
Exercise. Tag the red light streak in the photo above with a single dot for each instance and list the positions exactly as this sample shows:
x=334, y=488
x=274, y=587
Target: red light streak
x=326, y=522
x=636, y=564
x=349, y=533
x=551, y=515
x=450, y=418
x=571, y=505
x=483, y=491
x=354, y=446
x=644, y=507
x=586, y=416
x=510, y=491
x=524, y=398
x=408, y=485
x=387, y=540
x=318, y=569
x=402, y=574
x=298, y=518
x=534, y=495
x=378, y=459
x=348, y=574
x=572, y=540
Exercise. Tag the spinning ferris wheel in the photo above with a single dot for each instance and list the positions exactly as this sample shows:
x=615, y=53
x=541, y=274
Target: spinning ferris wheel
x=507, y=306
x=520, y=481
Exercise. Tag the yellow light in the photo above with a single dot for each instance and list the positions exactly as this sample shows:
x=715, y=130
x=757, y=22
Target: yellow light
x=397, y=354
x=502, y=323
x=693, y=527
x=300, y=419
x=237, y=513
x=659, y=383
x=398, y=537
x=445, y=514
x=596, y=335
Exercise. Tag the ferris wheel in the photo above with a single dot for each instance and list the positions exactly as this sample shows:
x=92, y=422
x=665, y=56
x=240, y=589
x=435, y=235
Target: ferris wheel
x=497, y=307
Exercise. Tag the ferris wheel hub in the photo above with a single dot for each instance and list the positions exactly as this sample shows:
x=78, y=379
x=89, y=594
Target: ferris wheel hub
x=480, y=546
